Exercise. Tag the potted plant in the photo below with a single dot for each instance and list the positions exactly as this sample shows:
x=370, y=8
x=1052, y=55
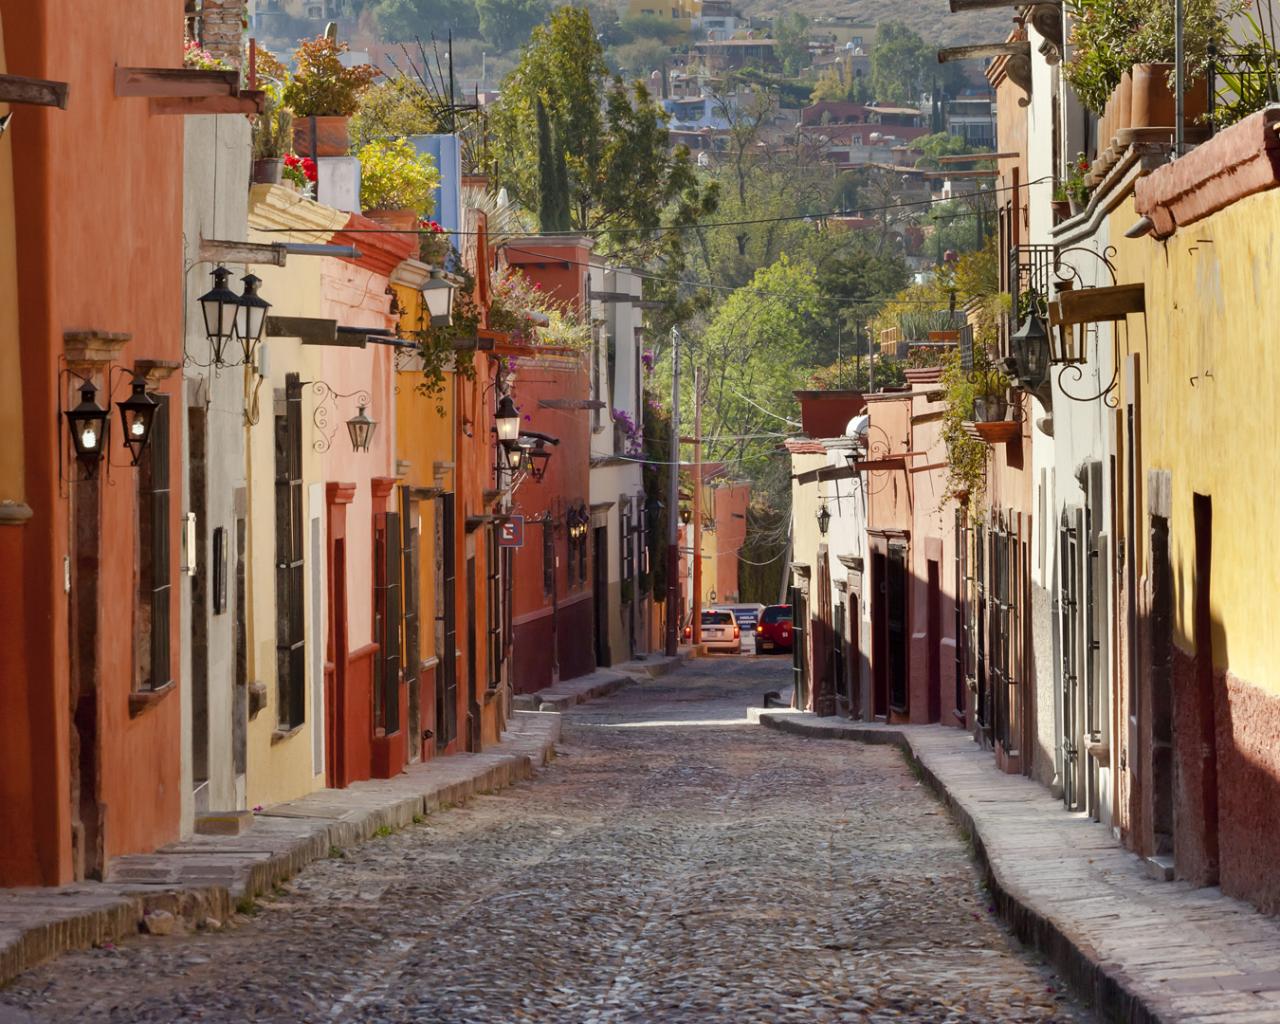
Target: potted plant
x=1061, y=204
x=1075, y=188
x=433, y=242
x=396, y=183
x=272, y=134
x=1110, y=37
x=300, y=172
x=323, y=94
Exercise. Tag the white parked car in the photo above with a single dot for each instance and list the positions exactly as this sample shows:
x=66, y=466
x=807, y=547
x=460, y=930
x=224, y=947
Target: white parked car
x=720, y=630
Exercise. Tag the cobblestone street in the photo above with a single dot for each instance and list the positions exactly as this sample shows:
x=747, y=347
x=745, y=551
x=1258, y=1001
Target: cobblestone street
x=674, y=864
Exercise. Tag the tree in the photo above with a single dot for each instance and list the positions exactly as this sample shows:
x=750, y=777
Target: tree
x=406, y=20
x=505, y=23
x=791, y=33
x=553, y=198
x=830, y=88
x=640, y=57
x=392, y=109
x=647, y=27
x=624, y=183
x=898, y=60
x=940, y=144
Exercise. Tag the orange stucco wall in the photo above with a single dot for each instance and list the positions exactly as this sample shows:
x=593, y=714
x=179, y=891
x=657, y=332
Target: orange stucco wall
x=98, y=217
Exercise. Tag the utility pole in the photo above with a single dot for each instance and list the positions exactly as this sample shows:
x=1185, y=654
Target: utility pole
x=673, y=506
x=696, y=619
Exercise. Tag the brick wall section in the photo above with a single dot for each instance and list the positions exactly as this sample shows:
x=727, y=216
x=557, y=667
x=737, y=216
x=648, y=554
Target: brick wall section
x=222, y=28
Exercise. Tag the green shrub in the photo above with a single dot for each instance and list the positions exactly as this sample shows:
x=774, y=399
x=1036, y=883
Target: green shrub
x=394, y=176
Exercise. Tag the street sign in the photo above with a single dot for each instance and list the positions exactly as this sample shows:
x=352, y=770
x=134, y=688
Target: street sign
x=511, y=532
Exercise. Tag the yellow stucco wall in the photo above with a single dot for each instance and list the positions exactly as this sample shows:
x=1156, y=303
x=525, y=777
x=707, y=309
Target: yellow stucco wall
x=1207, y=374
x=424, y=436
x=282, y=768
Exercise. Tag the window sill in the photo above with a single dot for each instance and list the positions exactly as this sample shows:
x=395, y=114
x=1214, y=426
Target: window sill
x=280, y=735
x=141, y=701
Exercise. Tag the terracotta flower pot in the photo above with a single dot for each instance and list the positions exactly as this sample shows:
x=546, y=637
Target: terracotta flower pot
x=321, y=136
x=395, y=220
x=1123, y=111
x=267, y=171
x=1152, y=103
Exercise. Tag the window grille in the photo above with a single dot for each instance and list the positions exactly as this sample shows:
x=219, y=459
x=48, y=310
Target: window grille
x=155, y=591
x=290, y=627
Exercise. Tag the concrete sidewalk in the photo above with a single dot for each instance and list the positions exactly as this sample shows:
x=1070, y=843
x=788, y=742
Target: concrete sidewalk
x=565, y=694
x=204, y=877
x=1140, y=949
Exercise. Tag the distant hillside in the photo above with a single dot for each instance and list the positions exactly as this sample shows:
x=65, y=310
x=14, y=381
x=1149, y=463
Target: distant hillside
x=932, y=19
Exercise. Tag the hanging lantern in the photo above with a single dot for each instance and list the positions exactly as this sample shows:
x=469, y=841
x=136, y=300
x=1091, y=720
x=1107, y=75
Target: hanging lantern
x=361, y=428
x=221, y=306
x=1029, y=346
x=137, y=416
x=87, y=423
x=539, y=456
x=824, y=519
x=515, y=455
x=507, y=419
x=251, y=317
x=437, y=293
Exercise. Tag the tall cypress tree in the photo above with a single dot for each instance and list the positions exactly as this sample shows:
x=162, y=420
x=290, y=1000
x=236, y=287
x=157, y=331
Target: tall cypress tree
x=548, y=186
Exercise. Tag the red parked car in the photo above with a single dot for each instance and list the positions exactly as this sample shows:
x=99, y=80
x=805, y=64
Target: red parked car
x=773, y=631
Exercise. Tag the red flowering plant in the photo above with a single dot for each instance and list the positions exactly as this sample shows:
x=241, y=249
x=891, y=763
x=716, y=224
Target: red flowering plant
x=301, y=171
x=433, y=242
x=196, y=57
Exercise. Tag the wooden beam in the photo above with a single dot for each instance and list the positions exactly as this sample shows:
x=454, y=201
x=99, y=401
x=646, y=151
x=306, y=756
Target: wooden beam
x=245, y=103
x=957, y=6
x=613, y=297
x=1089, y=305
x=311, y=330
x=179, y=82
x=570, y=403
x=38, y=92
x=982, y=51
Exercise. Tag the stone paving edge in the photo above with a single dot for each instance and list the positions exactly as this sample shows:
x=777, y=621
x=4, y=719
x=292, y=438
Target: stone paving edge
x=1108, y=990
x=38, y=924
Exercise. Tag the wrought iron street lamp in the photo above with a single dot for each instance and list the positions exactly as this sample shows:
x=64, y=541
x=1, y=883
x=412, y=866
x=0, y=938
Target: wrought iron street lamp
x=1029, y=346
x=221, y=307
x=437, y=293
x=137, y=416
x=361, y=428
x=515, y=455
x=539, y=456
x=824, y=519
x=87, y=423
x=251, y=317
x=507, y=420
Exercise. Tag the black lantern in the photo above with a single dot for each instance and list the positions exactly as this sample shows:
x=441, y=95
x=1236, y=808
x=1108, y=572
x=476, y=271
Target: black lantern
x=88, y=425
x=360, y=427
x=1029, y=346
x=539, y=455
x=137, y=416
x=251, y=317
x=686, y=515
x=514, y=452
x=437, y=293
x=507, y=419
x=824, y=519
x=221, y=307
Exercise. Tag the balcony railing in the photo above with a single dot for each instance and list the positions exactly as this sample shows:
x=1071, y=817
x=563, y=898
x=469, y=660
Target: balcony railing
x=1028, y=272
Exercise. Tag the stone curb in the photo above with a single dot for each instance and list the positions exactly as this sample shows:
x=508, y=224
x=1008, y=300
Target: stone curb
x=597, y=684
x=1108, y=990
x=205, y=876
